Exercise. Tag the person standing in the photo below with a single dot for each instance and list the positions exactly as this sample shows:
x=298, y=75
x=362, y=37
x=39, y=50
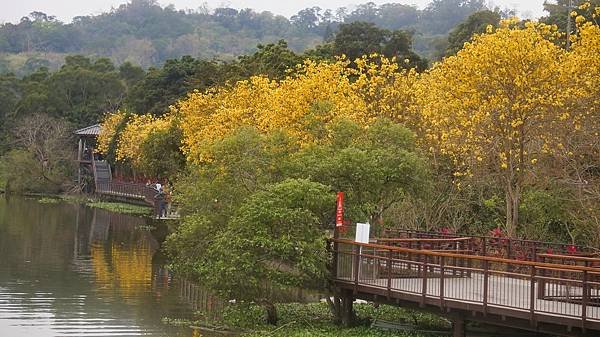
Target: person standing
x=162, y=205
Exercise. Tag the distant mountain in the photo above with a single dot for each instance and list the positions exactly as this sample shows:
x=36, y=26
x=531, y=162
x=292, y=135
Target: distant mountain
x=147, y=34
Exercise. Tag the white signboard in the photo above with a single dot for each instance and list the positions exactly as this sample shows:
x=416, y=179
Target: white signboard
x=362, y=232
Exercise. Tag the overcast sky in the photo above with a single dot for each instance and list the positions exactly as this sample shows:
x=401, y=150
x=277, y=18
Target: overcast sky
x=65, y=10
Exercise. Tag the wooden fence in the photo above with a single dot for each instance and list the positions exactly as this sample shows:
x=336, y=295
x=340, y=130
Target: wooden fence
x=539, y=291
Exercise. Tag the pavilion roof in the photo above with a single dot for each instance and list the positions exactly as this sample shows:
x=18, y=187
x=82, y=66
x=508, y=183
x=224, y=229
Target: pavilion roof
x=92, y=130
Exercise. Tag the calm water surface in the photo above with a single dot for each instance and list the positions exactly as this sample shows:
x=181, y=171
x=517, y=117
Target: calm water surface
x=70, y=270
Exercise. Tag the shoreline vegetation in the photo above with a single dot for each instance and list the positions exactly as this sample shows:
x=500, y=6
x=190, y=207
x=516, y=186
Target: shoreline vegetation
x=314, y=319
x=116, y=207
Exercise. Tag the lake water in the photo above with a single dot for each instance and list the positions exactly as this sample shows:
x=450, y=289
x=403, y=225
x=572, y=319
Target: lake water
x=71, y=270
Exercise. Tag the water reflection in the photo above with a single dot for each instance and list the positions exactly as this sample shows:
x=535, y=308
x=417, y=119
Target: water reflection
x=69, y=270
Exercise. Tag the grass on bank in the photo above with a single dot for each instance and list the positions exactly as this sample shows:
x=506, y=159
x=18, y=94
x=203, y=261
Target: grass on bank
x=314, y=319
x=116, y=207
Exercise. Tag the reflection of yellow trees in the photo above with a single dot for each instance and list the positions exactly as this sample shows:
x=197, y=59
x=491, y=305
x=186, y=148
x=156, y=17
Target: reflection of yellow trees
x=126, y=269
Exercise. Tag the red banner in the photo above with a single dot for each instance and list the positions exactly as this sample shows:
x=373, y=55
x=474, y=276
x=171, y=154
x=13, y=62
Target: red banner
x=339, y=212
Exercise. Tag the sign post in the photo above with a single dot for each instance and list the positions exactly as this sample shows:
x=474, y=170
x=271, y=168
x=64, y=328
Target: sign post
x=362, y=236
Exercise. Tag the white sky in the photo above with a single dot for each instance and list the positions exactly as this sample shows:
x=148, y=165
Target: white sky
x=65, y=10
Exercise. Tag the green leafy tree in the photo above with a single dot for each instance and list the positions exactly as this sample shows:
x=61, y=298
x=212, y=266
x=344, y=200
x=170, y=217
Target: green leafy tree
x=363, y=38
x=161, y=155
x=272, y=60
x=9, y=97
x=242, y=163
x=131, y=74
x=83, y=91
x=441, y=16
x=377, y=168
x=275, y=240
x=359, y=38
x=476, y=23
x=163, y=87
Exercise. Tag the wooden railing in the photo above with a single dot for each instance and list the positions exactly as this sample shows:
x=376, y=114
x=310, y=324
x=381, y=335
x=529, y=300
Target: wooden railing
x=523, y=250
x=478, y=283
x=458, y=244
x=128, y=190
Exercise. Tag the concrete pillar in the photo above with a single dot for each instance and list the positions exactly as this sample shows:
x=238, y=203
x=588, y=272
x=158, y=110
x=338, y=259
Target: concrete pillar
x=458, y=327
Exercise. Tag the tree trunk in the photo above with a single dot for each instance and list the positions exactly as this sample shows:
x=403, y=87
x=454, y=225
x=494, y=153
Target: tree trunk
x=509, y=211
x=513, y=199
x=335, y=307
x=348, y=315
x=271, y=313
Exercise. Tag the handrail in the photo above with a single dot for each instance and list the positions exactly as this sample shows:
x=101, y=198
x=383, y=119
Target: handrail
x=128, y=189
x=571, y=257
x=471, y=257
x=423, y=240
x=484, y=237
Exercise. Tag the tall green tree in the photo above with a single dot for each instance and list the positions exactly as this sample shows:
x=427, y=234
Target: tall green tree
x=84, y=90
x=164, y=86
x=441, y=16
x=476, y=23
x=9, y=97
x=363, y=38
x=377, y=168
x=275, y=240
x=272, y=60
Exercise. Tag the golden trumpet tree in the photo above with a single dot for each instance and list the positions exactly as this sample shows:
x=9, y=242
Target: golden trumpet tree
x=108, y=131
x=129, y=137
x=579, y=162
x=303, y=105
x=499, y=105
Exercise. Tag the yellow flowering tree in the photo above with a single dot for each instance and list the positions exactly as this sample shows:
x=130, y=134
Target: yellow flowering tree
x=579, y=161
x=386, y=89
x=498, y=106
x=298, y=104
x=108, y=138
x=303, y=104
x=126, y=136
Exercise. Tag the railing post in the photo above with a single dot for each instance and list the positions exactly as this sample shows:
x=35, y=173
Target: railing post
x=389, y=274
x=541, y=281
x=532, y=297
x=442, y=272
x=482, y=248
x=470, y=252
x=508, y=254
x=356, y=250
x=424, y=286
x=486, y=275
x=584, y=300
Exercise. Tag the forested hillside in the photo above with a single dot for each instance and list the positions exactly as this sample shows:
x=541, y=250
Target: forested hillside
x=147, y=34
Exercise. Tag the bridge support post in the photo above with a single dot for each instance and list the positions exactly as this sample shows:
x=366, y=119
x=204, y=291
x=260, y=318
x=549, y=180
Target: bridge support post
x=458, y=327
x=347, y=300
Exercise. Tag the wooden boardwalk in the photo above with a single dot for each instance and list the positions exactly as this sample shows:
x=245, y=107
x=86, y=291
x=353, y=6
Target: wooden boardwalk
x=562, y=299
